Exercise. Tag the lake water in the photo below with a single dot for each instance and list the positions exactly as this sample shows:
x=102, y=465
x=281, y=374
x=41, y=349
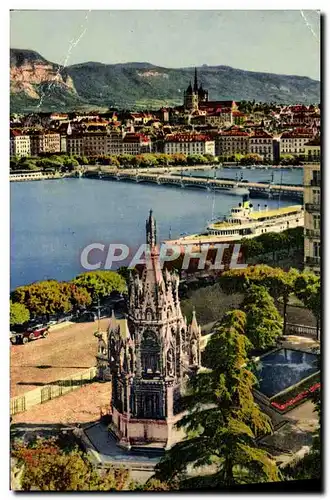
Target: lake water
x=52, y=221
x=283, y=368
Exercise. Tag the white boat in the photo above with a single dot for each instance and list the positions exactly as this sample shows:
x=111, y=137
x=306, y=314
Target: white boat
x=245, y=222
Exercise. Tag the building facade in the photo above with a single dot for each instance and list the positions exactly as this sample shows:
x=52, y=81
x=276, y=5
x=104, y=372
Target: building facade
x=293, y=143
x=261, y=143
x=312, y=201
x=19, y=144
x=231, y=142
x=312, y=150
x=45, y=142
x=135, y=144
x=189, y=144
x=149, y=356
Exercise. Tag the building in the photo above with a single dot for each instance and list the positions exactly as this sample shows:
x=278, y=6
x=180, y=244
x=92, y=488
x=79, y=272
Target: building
x=261, y=143
x=312, y=150
x=148, y=356
x=189, y=144
x=194, y=95
x=19, y=144
x=75, y=144
x=293, y=142
x=312, y=200
x=45, y=142
x=231, y=142
x=135, y=144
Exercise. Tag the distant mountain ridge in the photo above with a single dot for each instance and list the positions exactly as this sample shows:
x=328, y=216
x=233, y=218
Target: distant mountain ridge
x=40, y=85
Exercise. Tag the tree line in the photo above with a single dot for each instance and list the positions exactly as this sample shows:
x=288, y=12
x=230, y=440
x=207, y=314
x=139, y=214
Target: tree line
x=48, y=297
x=58, y=162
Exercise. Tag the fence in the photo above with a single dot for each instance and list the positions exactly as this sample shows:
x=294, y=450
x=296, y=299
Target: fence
x=302, y=330
x=54, y=390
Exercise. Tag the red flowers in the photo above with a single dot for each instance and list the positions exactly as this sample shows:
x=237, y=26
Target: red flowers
x=295, y=400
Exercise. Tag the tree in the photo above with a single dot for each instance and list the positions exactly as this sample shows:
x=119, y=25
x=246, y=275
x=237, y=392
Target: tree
x=263, y=321
x=48, y=468
x=250, y=159
x=223, y=421
x=101, y=283
x=43, y=298
x=51, y=297
x=279, y=283
x=308, y=290
x=18, y=314
x=78, y=297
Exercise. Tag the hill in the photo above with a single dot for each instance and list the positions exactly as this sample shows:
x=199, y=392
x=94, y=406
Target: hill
x=37, y=84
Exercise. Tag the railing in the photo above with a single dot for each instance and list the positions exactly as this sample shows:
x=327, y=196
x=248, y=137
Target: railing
x=313, y=233
x=50, y=391
x=316, y=182
x=312, y=207
x=301, y=330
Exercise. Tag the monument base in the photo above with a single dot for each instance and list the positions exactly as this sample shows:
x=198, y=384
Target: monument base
x=148, y=434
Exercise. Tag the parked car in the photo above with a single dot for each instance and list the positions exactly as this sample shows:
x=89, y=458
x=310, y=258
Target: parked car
x=64, y=317
x=29, y=334
x=92, y=314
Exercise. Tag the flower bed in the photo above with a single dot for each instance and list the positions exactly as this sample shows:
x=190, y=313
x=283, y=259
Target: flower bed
x=296, y=399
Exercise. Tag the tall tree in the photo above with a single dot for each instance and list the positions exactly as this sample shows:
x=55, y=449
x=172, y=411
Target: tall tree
x=223, y=420
x=263, y=321
x=279, y=283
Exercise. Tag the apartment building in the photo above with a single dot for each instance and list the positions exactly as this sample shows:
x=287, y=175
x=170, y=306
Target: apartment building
x=135, y=144
x=231, y=142
x=293, y=142
x=45, y=142
x=95, y=143
x=19, y=144
x=261, y=143
x=312, y=150
x=189, y=144
x=75, y=144
x=221, y=118
x=312, y=201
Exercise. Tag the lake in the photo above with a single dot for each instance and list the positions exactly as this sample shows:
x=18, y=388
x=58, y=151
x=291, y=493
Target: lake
x=53, y=220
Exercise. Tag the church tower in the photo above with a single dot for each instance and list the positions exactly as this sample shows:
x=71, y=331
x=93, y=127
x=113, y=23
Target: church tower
x=151, y=354
x=194, y=95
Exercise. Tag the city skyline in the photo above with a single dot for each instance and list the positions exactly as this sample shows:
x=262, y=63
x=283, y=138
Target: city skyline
x=216, y=41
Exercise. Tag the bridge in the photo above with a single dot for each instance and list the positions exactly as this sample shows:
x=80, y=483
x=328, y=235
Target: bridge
x=211, y=184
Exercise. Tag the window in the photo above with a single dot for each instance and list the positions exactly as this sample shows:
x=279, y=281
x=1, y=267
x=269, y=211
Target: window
x=316, y=196
x=317, y=221
x=316, y=249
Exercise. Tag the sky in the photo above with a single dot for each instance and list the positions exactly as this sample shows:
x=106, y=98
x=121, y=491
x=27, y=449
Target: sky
x=273, y=41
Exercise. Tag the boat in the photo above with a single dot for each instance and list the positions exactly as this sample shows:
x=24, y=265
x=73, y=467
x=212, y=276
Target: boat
x=245, y=222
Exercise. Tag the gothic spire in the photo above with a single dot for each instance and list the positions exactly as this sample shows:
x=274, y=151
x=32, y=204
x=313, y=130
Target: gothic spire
x=195, y=82
x=151, y=231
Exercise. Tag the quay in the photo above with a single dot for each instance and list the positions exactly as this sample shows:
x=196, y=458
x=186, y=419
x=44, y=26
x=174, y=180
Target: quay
x=38, y=176
x=211, y=184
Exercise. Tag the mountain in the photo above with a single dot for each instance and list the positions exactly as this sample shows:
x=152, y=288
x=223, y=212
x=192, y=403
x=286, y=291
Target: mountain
x=39, y=85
